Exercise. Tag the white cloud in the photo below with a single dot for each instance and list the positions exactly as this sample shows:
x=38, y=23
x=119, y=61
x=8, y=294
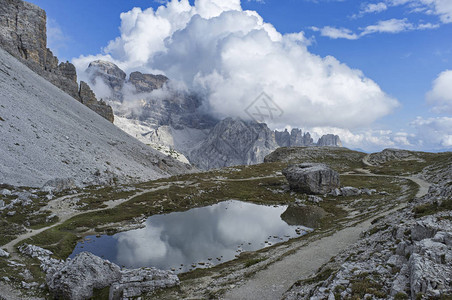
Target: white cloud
x=338, y=33
x=375, y=7
x=231, y=56
x=55, y=37
x=370, y=8
x=441, y=8
x=388, y=26
x=383, y=26
x=440, y=96
x=434, y=133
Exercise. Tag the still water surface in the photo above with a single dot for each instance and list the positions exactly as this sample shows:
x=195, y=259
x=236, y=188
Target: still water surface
x=197, y=238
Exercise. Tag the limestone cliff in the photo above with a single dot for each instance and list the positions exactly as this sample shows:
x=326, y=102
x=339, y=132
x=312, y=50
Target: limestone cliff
x=23, y=35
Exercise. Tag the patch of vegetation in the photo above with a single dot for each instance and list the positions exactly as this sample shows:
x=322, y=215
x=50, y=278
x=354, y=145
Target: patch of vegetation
x=319, y=277
x=254, y=261
x=9, y=231
x=365, y=285
x=414, y=165
x=432, y=208
x=400, y=296
x=376, y=229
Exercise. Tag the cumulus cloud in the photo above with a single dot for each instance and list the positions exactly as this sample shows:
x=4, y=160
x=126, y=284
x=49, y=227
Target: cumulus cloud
x=434, y=133
x=440, y=96
x=232, y=56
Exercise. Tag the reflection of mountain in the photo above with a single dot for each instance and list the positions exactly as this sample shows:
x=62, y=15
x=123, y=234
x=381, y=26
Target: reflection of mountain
x=308, y=216
x=178, y=123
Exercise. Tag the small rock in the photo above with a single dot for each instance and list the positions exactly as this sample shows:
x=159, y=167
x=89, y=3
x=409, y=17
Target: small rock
x=5, y=192
x=3, y=253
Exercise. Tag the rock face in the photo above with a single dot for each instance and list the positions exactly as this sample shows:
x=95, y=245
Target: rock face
x=110, y=74
x=87, y=97
x=329, y=140
x=23, y=35
x=146, y=83
x=234, y=142
x=293, y=139
x=312, y=178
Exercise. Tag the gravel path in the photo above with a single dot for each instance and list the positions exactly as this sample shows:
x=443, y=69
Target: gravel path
x=273, y=282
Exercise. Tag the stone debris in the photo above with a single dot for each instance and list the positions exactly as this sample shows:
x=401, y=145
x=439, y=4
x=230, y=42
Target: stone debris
x=312, y=178
x=403, y=256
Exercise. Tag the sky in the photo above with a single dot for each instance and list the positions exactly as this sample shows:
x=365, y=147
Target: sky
x=378, y=73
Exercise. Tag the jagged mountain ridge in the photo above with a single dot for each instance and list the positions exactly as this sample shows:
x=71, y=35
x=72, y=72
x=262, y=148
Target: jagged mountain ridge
x=23, y=35
x=161, y=122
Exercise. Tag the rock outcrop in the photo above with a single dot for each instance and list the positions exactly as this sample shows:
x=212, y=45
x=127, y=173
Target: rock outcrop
x=134, y=283
x=23, y=35
x=329, y=140
x=87, y=97
x=293, y=139
x=76, y=278
x=146, y=83
x=312, y=178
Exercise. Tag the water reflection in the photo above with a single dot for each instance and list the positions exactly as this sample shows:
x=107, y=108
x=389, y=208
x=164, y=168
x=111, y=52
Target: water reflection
x=208, y=235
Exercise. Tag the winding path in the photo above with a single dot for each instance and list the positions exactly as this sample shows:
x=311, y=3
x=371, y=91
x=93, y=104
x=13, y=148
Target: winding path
x=277, y=278
x=62, y=209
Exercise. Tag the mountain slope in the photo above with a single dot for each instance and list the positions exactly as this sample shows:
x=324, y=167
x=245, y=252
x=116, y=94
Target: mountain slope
x=45, y=134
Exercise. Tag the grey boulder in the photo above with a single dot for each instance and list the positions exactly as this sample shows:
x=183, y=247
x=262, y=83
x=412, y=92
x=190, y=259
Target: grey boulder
x=312, y=178
x=78, y=277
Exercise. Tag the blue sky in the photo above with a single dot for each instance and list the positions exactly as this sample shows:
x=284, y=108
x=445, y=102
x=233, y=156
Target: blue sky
x=401, y=45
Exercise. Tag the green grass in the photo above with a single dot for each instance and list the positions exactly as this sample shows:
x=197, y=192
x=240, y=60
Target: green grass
x=364, y=284
x=432, y=208
x=422, y=160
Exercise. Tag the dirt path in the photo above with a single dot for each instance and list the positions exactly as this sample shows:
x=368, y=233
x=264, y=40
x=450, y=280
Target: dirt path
x=273, y=282
x=366, y=160
x=63, y=208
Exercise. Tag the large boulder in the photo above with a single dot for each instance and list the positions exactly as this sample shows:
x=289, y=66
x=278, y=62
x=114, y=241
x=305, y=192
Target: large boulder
x=312, y=178
x=78, y=277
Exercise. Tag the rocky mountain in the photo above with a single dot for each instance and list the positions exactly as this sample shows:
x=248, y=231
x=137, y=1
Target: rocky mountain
x=329, y=140
x=234, y=142
x=176, y=123
x=23, y=35
x=46, y=135
x=293, y=139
